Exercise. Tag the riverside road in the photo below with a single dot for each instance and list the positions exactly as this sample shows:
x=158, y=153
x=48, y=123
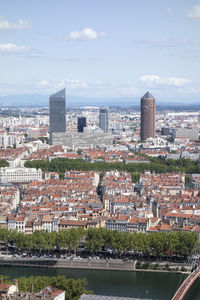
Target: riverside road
x=80, y=263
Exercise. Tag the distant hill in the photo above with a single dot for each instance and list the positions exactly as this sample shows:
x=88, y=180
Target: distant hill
x=76, y=101
x=24, y=100
x=43, y=100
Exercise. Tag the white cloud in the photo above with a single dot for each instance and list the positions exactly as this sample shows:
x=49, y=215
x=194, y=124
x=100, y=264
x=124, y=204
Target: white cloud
x=174, y=81
x=194, y=13
x=12, y=48
x=153, y=80
x=169, y=10
x=128, y=91
x=85, y=35
x=150, y=78
x=189, y=91
x=72, y=84
x=21, y=24
x=44, y=83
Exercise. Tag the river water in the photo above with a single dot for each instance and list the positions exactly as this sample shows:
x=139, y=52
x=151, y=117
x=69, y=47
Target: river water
x=142, y=285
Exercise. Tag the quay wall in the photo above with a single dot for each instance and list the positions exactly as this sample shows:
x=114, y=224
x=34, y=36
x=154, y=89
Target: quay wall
x=86, y=264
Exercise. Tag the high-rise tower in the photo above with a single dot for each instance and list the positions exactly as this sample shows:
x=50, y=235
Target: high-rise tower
x=57, y=111
x=148, y=116
x=104, y=119
x=81, y=124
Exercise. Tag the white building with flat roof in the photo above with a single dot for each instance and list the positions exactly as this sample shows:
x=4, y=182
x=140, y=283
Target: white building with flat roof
x=20, y=174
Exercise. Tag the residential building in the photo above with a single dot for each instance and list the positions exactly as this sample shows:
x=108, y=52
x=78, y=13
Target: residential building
x=20, y=174
x=47, y=293
x=185, y=134
x=7, y=290
x=195, y=181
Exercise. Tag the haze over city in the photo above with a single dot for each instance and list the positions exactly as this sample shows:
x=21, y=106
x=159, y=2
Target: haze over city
x=101, y=49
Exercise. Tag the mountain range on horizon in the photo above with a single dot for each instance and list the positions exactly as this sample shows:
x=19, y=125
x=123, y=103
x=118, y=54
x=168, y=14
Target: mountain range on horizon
x=72, y=101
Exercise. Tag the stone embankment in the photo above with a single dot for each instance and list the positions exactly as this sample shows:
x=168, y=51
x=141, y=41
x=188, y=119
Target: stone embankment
x=115, y=264
x=71, y=263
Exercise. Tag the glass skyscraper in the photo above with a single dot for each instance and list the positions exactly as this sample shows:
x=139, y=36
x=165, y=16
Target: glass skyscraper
x=57, y=113
x=104, y=119
x=81, y=124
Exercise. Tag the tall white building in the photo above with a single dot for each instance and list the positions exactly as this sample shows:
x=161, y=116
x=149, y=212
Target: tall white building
x=8, y=140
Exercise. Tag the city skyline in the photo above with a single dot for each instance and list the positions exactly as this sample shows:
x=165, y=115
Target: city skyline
x=152, y=47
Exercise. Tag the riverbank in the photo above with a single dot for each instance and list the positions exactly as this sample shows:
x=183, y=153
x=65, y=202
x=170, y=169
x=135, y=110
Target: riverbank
x=94, y=264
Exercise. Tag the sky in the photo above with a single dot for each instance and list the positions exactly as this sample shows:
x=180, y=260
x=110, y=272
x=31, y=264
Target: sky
x=101, y=48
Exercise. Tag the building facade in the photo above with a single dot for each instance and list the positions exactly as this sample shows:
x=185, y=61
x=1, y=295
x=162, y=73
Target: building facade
x=81, y=139
x=20, y=174
x=81, y=124
x=57, y=113
x=104, y=119
x=148, y=116
x=185, y=133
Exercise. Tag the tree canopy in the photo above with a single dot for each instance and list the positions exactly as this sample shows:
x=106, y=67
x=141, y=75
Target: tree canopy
x=98, y=239
x=3, y=163
x=157, y=165
x=73, y=288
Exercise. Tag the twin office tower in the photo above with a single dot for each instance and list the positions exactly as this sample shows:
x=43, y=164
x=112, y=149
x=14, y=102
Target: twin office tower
x=57, y=115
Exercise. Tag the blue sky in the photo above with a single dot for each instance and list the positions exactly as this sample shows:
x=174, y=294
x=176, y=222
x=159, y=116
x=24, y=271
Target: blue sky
x=101, y=48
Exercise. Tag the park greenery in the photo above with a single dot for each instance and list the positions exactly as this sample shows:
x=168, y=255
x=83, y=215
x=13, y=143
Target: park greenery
x=157, y=165
x=96, y=240
x=153, y=266
x=73, y=288
x=3, y=163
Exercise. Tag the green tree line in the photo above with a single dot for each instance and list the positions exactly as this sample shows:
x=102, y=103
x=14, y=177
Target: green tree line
x=43, y=241
x=95, y=240
x=158, y=244
x=3, y=163
x=157, y=165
